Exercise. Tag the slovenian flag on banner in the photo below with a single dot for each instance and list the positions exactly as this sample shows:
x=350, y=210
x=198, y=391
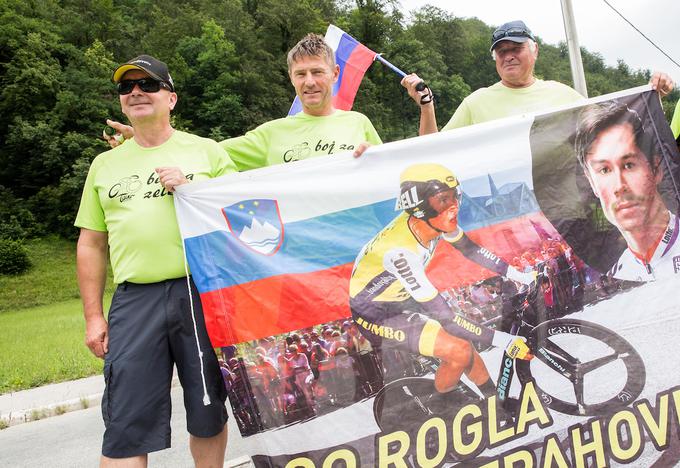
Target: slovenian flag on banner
x=353, y=58
x=272, y=250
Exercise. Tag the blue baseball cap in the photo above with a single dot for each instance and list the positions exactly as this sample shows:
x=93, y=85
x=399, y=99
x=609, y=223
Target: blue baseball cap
x=515, y=31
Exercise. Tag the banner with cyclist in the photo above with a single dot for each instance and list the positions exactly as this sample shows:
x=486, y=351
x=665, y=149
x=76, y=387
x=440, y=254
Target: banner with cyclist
x=499, y=294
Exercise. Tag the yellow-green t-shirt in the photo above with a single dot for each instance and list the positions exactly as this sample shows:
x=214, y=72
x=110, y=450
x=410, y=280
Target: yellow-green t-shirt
x=123, y=197
x=299, y=137
x=675, y=123
x=499, y=101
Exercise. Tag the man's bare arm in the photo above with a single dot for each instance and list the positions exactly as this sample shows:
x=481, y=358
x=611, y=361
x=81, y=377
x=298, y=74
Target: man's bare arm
x=428, y=119
x=91, y=265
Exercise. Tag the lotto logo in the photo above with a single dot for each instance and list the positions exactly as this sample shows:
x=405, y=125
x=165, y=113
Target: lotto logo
x=676, y=264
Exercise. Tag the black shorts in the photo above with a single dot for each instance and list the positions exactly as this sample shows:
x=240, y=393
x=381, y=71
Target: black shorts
x=396, y=324
x=150, y=329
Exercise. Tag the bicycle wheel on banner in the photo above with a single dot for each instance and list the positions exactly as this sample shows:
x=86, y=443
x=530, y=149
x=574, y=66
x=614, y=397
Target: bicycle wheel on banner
x=582, y=368
x=410, y=401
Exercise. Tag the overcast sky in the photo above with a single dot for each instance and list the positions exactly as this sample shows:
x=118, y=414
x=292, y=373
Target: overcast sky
x=599, y=28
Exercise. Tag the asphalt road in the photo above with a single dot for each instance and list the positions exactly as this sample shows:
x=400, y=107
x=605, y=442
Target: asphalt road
x=73, y=440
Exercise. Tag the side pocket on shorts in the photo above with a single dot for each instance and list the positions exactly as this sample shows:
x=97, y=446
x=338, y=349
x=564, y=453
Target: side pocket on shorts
x=106, y=397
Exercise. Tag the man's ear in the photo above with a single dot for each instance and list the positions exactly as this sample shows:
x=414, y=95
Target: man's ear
x=172, y=100
x=336, y=73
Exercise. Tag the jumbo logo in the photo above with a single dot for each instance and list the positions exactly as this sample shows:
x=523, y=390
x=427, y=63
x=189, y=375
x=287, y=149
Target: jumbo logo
x=256, y=224
x=382, y=331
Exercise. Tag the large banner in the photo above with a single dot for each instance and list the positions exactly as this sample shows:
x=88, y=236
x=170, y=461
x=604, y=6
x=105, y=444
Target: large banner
x=368, y=310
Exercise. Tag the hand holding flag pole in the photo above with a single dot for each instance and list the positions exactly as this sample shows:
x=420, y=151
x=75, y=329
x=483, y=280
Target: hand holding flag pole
x=419, y=87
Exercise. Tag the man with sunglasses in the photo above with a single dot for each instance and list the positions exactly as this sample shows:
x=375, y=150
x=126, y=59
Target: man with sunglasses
x=126, y=211
x=319, y=130
x=622, y=164
x=515, y=51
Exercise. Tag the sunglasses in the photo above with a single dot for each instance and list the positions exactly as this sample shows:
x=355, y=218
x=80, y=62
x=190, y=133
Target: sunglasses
x=147, y=85
x=511, y=32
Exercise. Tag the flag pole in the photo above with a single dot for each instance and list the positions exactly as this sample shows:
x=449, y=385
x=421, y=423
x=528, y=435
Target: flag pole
x=577, y=74
x=419, y=87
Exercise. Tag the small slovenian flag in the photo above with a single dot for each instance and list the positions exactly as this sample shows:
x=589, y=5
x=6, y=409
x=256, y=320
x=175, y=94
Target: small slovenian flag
x=353, y=58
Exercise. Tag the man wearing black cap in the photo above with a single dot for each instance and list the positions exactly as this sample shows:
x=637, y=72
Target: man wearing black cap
x=154, y=321
x=514, y=49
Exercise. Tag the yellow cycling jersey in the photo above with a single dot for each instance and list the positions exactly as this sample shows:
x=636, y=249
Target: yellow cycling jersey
x=391, y=266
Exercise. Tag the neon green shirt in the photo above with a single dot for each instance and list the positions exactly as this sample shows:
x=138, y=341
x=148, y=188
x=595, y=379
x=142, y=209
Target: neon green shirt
x=498, y=101
x=123, y=197
x=299, y=137
x=675, y=123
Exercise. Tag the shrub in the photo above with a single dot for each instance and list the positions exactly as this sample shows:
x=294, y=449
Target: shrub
x=13, y=257
x=16, y=218
x=11, y=229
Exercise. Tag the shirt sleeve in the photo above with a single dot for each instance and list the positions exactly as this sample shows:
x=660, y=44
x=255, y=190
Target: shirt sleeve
x=675, y=123
x=220, y=162
x=461, y=118
x=371, y=134
x=90, y=213
x=476, y=253
x=248, y=151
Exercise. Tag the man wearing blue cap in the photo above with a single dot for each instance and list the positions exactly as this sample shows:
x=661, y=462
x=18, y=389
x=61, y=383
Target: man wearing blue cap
x=514, y=49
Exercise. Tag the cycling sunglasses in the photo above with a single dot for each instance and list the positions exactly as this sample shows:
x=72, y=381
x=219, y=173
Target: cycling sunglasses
x=147, y=85
x=446, y=199
x=511, y=32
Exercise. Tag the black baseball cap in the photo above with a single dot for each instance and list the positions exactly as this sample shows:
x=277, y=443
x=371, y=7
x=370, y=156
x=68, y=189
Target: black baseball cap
x=515, y=31
x=151, y=65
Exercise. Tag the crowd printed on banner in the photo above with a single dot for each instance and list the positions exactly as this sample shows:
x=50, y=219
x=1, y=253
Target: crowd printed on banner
x=327, y=307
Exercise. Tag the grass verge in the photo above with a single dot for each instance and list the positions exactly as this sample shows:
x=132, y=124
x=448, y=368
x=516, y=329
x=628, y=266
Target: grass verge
x=51, y=279
x=44, y=344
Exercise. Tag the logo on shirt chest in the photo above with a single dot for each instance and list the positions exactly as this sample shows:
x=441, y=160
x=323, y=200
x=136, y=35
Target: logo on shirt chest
x=305, y=150
x=676, y=264
x=128, y=187
x=125, y=188
x=667, y=236
x=159, y=192
x=404, y=271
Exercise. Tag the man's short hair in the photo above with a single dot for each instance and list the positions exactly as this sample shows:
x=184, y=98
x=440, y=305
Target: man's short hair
x=312, y=45
x=595, y=118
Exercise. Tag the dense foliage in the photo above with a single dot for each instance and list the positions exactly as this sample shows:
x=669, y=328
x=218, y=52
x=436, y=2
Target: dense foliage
x=228, y=61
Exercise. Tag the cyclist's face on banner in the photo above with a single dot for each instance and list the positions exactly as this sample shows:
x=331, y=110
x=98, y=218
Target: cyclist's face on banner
x=446, y=204
x=622, y=178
